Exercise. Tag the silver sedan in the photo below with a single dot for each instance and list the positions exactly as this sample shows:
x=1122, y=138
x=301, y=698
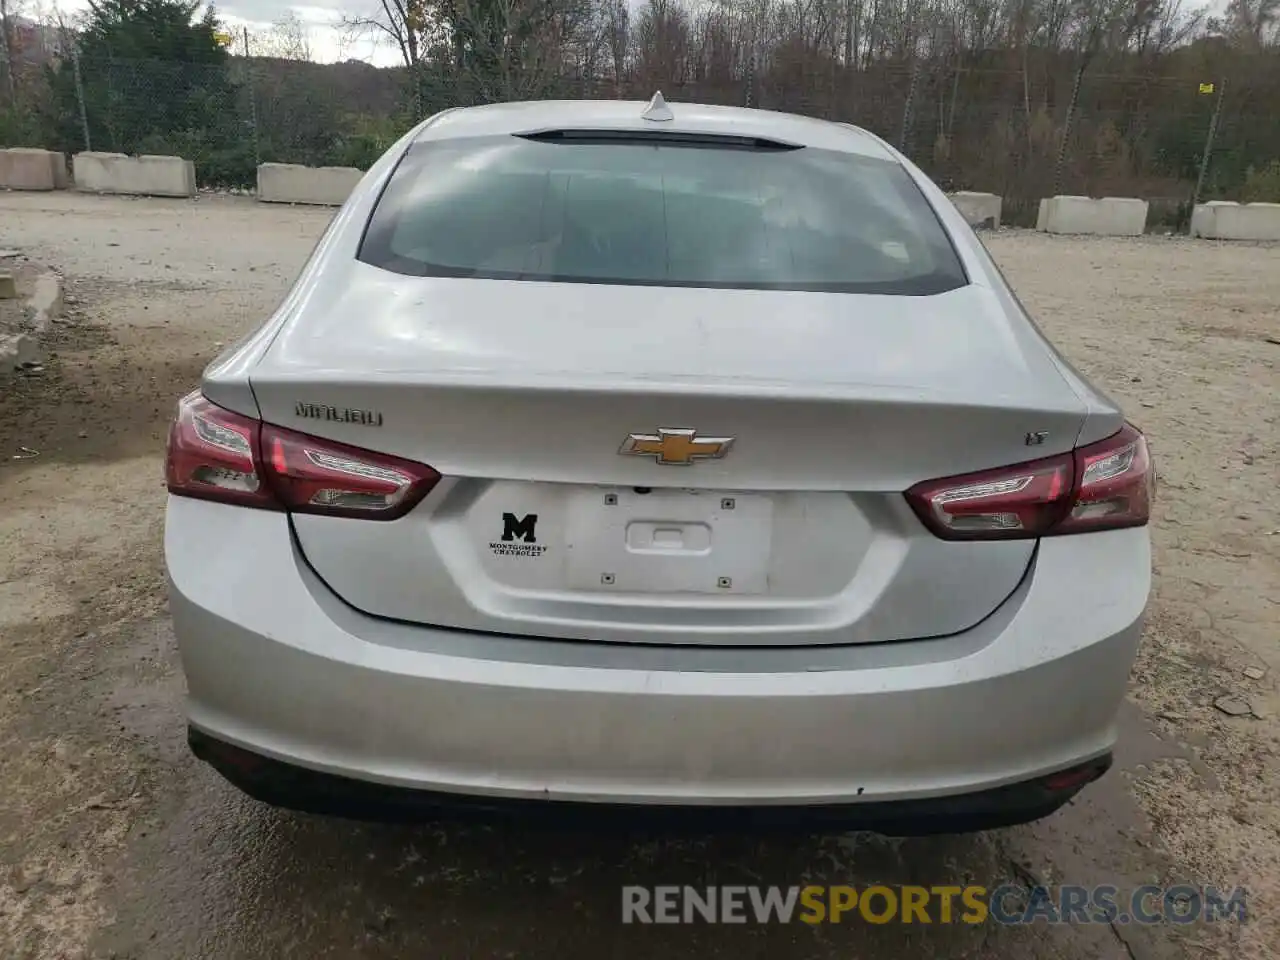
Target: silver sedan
x=613, y=457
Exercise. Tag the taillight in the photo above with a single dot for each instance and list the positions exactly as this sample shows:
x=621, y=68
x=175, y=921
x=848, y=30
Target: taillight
x=215, y=454
x=1010, y=502
x=1102, y=486
x=310, y=475
x=1115, y=484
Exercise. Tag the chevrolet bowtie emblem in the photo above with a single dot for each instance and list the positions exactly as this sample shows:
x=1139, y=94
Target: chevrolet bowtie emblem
x=672, y=446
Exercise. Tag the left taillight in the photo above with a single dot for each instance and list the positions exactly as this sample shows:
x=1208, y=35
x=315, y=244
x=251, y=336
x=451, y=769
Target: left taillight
x=1102, y=486
x=213, y=455
x=216, y=454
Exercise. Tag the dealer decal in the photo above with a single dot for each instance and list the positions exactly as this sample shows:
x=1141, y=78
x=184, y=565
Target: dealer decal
x=519, y=537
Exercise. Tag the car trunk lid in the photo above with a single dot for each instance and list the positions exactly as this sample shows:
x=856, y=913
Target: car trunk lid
x=525, y=394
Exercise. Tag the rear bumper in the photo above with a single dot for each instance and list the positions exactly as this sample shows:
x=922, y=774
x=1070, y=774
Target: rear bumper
x=278, y=667
x=299, y=788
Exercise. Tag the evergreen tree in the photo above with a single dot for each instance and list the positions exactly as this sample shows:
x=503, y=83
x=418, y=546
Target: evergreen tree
x=155, y=79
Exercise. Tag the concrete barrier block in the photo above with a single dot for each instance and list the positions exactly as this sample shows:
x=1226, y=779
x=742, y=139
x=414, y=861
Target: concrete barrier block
x=980, y=209
x=17, y=352
x=136, y=176
x=47, y=301
x=43, y=306
x=1105, y=217
x=1226, y=220
x=26, y=169
x=291, y=183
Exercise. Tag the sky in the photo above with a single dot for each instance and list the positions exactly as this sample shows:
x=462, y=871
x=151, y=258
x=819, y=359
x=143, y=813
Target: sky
x=321, y=17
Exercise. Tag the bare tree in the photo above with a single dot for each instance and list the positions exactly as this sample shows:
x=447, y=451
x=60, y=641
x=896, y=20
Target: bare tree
x=412, y=27
x=8, y=13
x=617, y=35
x=520, y=49
x=287, y=39
x=1252, y=23
x=1172, y=26
x=1010, y=82
x=1095, y=20
x=405, y=24
x=662, y=42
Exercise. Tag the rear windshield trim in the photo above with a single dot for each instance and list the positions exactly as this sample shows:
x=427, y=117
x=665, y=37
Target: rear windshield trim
x=666, y=138
x=376, y=247
x=923, y=287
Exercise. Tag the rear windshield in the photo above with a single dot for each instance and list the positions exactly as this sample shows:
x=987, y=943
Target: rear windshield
x=660, y=213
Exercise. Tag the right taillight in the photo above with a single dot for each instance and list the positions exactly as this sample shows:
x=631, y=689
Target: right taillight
x=310, y=475
x=1101, y=486
x=1114, y=486
x=216, y=454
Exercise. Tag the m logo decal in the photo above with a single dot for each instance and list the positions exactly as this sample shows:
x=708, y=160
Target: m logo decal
x=524, y=527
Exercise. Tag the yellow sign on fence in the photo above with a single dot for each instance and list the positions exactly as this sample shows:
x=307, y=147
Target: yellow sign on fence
x=1206, y=88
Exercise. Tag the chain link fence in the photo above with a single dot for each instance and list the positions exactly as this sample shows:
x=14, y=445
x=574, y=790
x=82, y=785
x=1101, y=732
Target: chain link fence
x=970, y=126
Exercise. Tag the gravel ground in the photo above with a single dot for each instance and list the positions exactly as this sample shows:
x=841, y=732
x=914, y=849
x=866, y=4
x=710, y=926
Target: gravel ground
x=114, y=843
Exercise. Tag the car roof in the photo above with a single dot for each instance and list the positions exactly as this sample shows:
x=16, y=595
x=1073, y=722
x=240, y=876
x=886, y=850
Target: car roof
x=690, y=118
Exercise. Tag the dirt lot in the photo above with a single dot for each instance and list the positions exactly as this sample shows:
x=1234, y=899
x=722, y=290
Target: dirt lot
x=114, y=843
